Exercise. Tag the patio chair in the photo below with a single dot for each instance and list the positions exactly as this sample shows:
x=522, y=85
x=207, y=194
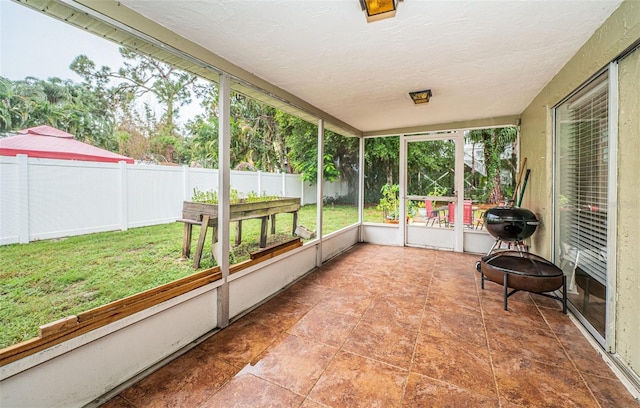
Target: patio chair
x=431, y=214
x=479, y=220
x=467, y=213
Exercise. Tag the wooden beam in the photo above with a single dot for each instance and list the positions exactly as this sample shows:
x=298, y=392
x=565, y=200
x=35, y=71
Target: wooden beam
x=263, y=231
x=74, y=326
x=203, y=235
x=274, y=248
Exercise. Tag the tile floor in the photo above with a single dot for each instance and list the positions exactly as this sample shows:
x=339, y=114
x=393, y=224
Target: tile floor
x=390, y=327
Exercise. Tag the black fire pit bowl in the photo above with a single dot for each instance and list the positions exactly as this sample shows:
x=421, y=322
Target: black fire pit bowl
x=523, y=271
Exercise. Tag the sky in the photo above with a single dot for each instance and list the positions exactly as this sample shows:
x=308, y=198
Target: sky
x=34, y=44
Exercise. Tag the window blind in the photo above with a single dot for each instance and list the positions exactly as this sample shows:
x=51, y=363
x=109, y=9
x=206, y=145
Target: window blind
x=582, y=140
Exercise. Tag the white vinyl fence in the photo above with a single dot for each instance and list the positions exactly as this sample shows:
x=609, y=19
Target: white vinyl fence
x=45, y=198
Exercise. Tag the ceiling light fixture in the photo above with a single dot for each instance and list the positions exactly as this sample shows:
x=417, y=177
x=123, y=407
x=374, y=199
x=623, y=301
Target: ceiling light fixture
x=376, y=10
x=419, y=97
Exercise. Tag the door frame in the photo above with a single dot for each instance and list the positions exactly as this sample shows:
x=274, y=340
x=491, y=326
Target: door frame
x=458, y=137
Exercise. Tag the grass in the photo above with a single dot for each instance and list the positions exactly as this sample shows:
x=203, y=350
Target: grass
x=45, y=281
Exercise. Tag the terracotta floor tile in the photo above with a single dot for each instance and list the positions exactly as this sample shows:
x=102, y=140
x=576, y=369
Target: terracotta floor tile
x=460, y=303
x=241, y=342
x=535, y=343
x=305, y=293
x=610, y=393
x=386, y=341
x=584, y=356
x=518, y=313
x=324, y=277
x=294, y=363
x=423, y=391
x=350, y=304
x=454, y=282
x=458, y=327
x=560, y=323
x=405, y=285
x=279, y=313
x=454, y=287
x=325, y=327
x=117, y=402
x=187, y=381
x=532, y=384
x=414, y=271
x=311, y=404
x=355, y=381
x=543, y=301
x=493, y=291
x=360, y=333
x=246, y=390
x=396, y=308
x=359, y=285
x=460, y=364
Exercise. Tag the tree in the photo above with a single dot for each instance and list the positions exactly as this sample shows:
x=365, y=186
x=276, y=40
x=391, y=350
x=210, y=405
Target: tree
x=59, y=103
x=142, y=75
x=256, y=142
x=495, y=141
x=15, y=104
x=302, y=143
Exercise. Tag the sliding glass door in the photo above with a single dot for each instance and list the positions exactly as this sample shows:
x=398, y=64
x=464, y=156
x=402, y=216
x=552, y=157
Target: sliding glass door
x=582, y=197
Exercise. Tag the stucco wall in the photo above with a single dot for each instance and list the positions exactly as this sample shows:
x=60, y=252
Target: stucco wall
x=617, y=34
x=536, y=143
x=628, y=271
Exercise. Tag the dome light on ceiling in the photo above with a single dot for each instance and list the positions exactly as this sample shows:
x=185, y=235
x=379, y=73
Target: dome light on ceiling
x=376, y=10
x=419, y=97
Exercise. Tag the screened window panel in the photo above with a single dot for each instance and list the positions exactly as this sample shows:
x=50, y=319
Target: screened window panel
x=582, y=142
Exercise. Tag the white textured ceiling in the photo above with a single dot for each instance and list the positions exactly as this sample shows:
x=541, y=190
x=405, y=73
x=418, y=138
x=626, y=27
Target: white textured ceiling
x=481, y=59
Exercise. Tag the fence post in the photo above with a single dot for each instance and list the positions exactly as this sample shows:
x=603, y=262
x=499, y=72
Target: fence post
x=301, y=192
x=23, y=198
x=185, y=180
x=284, y=184
x=124, y=207
x=259, y=183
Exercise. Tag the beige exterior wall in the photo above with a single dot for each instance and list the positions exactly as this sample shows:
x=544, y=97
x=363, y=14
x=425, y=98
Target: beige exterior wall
x=619, y=32
x=628, y=268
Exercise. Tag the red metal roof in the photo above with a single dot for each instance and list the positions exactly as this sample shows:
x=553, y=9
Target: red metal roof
x=47, y=142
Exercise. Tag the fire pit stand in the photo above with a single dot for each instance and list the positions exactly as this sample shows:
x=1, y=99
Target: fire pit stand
x=523, y=271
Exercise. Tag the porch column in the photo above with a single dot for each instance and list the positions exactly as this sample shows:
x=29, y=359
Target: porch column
x=224, y=175
x=402, y=176
x=320, y=188
x=361, y=189
x=458, y=245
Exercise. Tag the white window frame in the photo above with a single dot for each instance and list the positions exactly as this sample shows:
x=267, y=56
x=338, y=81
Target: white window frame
x=608, y=342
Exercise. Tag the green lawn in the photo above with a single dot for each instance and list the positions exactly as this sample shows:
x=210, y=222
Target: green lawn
x=45, y=281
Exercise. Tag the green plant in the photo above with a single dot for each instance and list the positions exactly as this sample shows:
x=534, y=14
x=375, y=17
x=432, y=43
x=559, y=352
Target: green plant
x=438, y=191
x=413, y=206
x=211, y=197
x=208, y=197
x=390, y=201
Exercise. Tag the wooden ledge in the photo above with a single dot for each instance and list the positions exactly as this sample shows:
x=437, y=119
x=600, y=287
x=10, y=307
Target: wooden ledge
x=73, y=326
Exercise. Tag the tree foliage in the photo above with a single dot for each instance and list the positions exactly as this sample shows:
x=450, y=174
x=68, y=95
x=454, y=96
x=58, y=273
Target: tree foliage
x=55, y=102
x=141, y=75
x=107, y=110
x=495, y=141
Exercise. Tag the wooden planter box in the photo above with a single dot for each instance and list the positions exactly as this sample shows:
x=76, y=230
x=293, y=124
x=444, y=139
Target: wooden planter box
x=240, y=211
x=197, y=213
